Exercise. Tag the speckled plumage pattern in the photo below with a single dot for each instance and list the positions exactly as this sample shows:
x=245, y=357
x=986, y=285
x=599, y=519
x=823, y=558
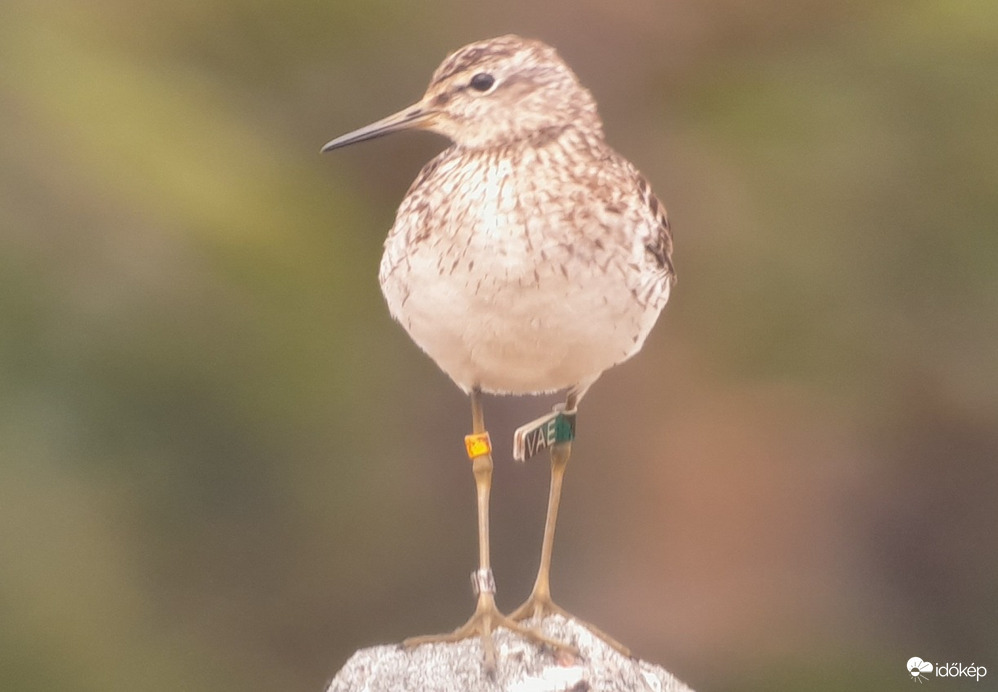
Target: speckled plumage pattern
x=529, y=256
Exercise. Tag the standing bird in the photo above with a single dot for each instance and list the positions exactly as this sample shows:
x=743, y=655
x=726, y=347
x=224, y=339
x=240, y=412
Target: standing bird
x=526, y=258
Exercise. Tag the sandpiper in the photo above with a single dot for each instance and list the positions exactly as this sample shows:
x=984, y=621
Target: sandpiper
x=528, y=257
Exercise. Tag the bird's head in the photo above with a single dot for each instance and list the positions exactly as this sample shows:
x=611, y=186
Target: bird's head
x=490, y=93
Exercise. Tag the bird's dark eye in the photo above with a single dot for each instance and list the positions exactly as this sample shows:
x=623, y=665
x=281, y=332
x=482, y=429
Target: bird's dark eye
x=482, y=81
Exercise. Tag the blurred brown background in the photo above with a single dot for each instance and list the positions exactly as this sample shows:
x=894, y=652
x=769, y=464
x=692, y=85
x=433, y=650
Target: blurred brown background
x=223, y=467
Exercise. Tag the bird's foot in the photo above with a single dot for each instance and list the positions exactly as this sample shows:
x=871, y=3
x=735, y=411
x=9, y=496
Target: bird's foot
x=539, y=605
x=485, y=620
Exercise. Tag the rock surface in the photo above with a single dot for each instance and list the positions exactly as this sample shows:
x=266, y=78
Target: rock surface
x=522, y=667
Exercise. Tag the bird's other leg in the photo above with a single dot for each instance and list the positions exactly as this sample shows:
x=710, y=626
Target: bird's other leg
x=486, y=617
x=539, y=603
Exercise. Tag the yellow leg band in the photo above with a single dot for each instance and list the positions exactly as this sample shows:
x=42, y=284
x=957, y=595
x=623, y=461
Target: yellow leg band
x=478, y=444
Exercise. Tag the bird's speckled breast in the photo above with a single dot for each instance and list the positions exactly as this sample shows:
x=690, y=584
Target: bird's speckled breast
x=523, y=269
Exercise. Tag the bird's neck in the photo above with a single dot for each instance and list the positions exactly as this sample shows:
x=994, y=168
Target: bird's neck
x=535, y=139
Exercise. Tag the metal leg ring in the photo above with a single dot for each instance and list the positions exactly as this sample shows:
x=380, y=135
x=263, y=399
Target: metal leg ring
x=482, y=581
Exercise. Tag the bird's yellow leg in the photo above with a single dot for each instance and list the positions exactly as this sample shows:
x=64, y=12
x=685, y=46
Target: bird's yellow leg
x=539, y=603
x=486, y=617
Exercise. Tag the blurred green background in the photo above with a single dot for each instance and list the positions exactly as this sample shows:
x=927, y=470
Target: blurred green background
x=223, y=467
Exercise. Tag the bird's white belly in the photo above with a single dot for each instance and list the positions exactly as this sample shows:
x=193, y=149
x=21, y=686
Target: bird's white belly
x=505, y=328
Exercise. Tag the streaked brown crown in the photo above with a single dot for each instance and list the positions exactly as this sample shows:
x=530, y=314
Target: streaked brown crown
x=506, y=88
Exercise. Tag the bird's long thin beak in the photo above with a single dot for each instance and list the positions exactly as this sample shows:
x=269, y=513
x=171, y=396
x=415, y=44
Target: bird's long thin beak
x=413, y=117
